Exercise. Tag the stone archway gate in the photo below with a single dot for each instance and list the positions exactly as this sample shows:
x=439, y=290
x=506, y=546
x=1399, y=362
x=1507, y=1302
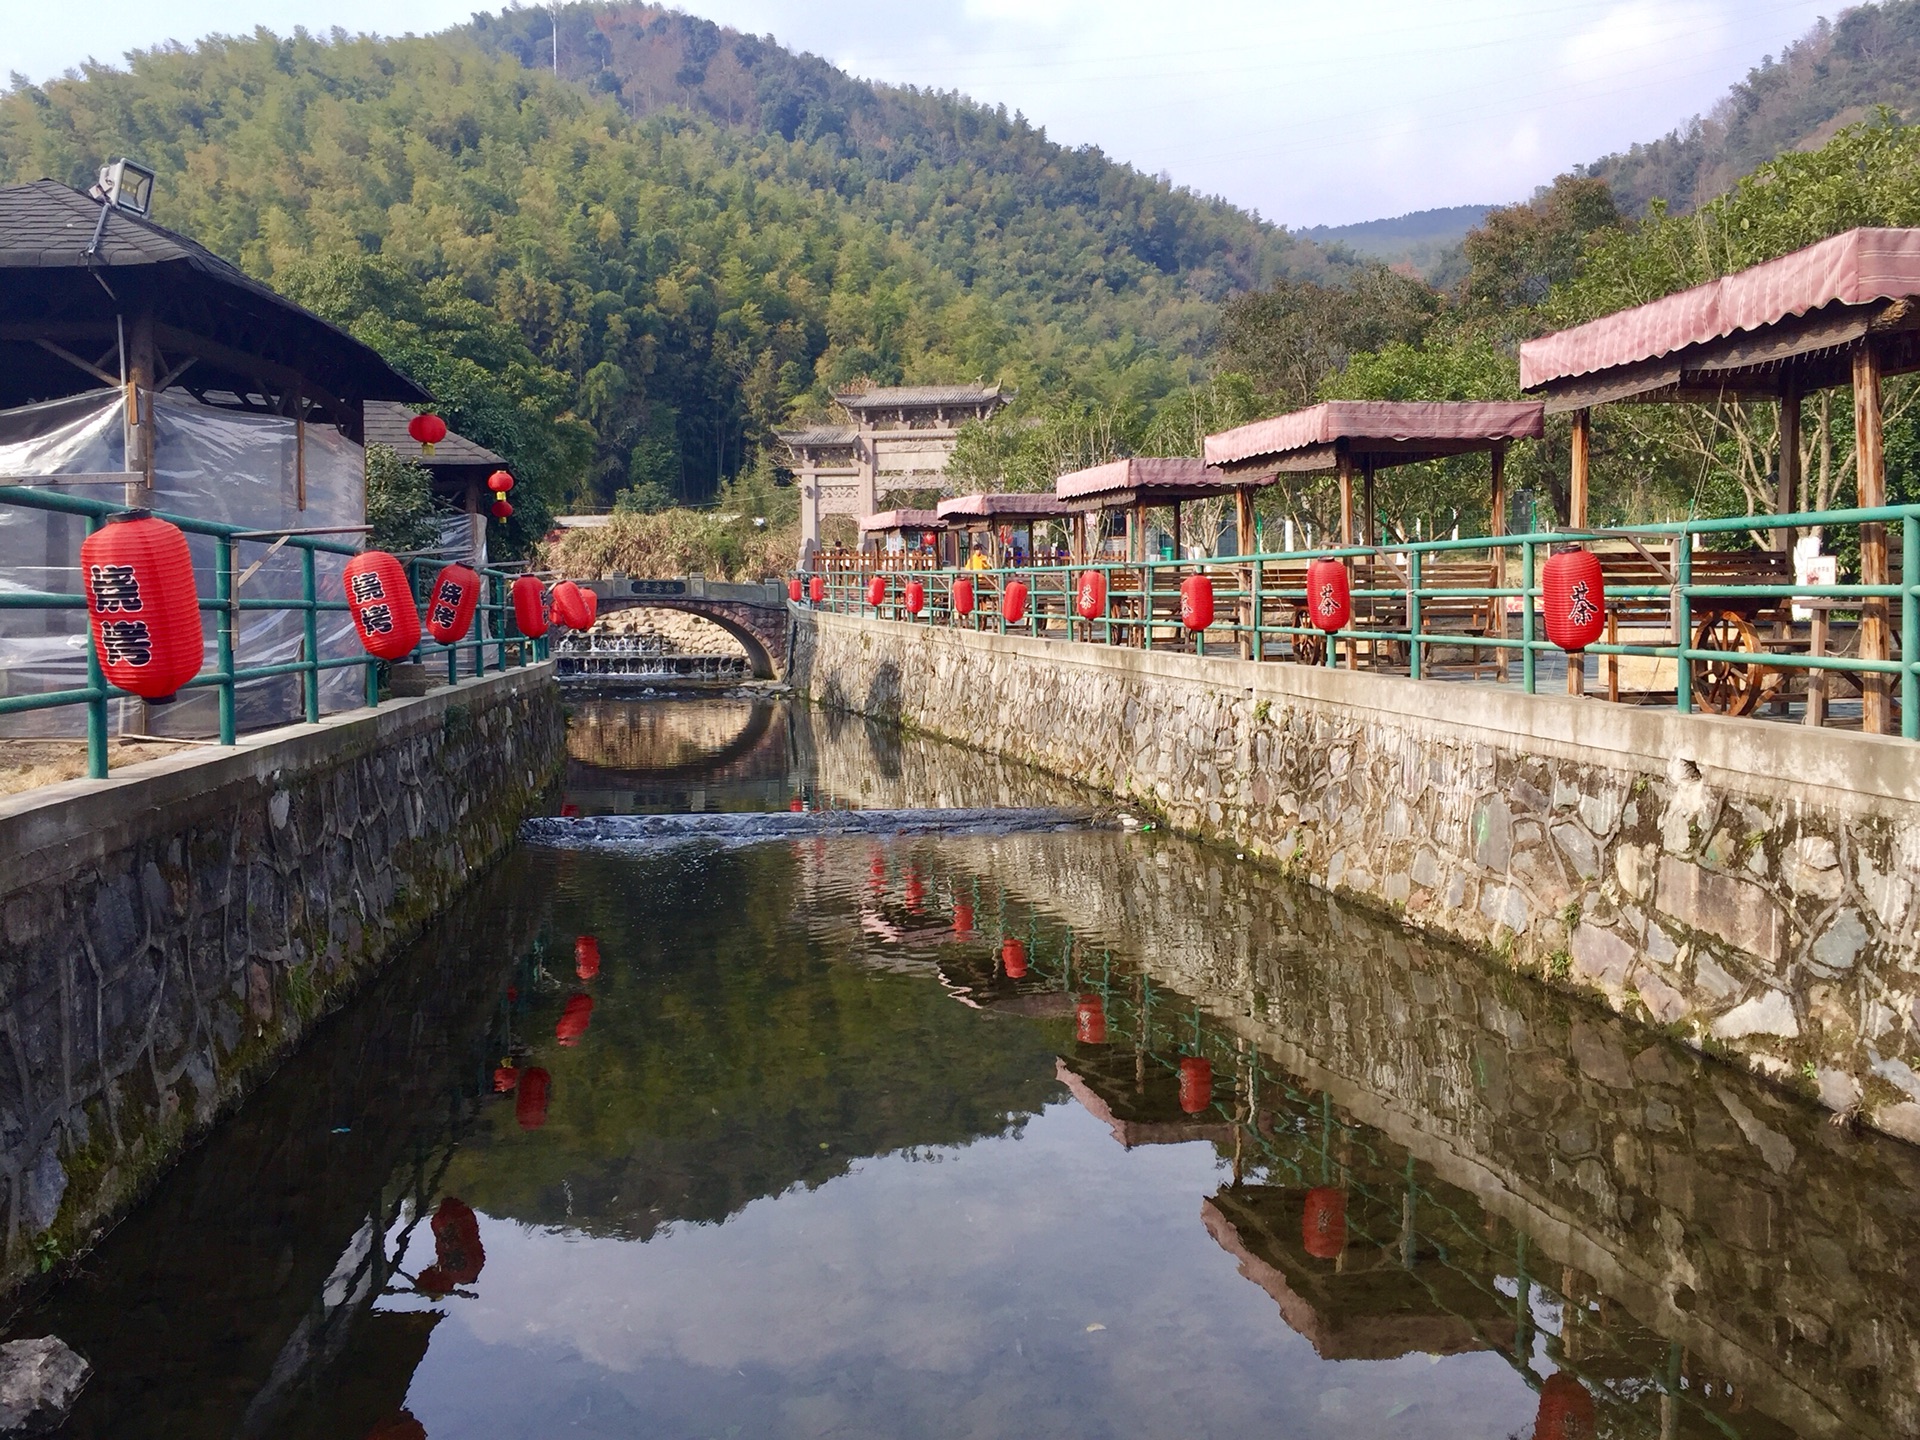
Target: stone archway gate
x=755, y=615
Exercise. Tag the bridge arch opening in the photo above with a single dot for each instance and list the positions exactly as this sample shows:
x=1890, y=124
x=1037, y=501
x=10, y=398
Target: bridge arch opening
x=685, y=627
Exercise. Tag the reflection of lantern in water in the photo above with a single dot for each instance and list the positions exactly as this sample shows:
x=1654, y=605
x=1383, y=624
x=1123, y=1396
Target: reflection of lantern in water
x=586, y=957
x=1196, y=1084
x=457, y=1253
x=916, y=891
x=1566, y=1410
x=796, y=805
x=1323, y=1228
x=505, y=1079
x=574, y=1019
x=1090, y=1021
x=398, y=1426
x=530, y=1105
x=877, y=873
x=962, y=918
x=1013, y=958
x=569, y=811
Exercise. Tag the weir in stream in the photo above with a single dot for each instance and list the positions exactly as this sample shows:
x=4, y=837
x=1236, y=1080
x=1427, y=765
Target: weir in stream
x=866, y=1128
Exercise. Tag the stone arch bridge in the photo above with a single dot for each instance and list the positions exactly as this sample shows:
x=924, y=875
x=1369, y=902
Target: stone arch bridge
x=755, y=615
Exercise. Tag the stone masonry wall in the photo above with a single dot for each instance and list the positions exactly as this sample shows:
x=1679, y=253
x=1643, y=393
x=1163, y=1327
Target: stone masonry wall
x=168, y=934
x=1745, y=885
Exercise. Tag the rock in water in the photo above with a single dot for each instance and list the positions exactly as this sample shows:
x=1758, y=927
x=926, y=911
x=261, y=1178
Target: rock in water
x=39, y=1381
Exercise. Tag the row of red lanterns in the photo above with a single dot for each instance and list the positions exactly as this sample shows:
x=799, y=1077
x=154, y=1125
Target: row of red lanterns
x=1572, y=586
x=429, y=430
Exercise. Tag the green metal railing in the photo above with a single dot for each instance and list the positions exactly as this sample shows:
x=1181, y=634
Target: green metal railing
x=1406, y=605
x=492, y=630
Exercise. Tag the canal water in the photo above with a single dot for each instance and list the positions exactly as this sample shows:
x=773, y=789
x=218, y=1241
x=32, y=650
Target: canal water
x=1080, y=1134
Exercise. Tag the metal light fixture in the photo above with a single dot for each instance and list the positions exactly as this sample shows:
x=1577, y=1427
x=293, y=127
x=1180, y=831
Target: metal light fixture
x=126, y=185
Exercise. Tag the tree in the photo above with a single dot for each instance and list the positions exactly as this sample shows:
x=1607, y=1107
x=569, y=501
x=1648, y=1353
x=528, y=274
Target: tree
x=1289, y=338
x=1520, y=252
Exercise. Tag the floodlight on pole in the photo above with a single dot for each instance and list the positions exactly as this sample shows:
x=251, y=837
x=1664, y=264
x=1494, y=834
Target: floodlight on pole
x=126, y=185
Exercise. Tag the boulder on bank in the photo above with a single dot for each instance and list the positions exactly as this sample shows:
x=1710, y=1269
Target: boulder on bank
x=39, y=1382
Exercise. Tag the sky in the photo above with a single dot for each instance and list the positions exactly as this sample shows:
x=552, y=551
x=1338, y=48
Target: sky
x=1309, y=111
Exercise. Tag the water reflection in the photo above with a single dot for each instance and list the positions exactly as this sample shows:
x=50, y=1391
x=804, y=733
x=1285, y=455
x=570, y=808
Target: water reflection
x=1058, y=1134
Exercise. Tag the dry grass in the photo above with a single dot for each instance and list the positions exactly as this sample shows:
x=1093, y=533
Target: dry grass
x=29, y=764
x=675, y=543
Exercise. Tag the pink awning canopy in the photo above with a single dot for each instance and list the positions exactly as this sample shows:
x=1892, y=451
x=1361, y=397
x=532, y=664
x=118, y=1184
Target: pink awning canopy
x=1856, y=268
x=900, y=520
x=1011, y=508
x=1389, y=432
x=1143, y=481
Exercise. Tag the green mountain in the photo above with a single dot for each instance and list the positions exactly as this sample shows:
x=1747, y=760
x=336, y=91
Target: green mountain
x=698, y=234
x=1835, y=75
x=1425, y=241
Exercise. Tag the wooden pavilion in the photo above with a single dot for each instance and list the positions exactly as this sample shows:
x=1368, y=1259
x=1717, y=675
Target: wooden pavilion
x=457, y=469
x=1364, y=437
x=1134, y=486
x=1000, y=519
x=907, y=534
x=1843, y=312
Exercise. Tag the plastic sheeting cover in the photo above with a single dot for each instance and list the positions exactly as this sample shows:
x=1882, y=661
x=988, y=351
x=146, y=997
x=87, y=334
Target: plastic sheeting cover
x=213, y=464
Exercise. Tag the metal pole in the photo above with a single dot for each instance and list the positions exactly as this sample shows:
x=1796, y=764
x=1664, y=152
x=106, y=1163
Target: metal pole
x=1910, y=625
x=223, y=593
x=97, y=683
x=310, y=633
x=1526, y=616
x=1413, y=614
x=1683, y=622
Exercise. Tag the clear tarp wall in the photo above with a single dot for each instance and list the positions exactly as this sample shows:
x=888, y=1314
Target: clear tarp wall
x=213, y=464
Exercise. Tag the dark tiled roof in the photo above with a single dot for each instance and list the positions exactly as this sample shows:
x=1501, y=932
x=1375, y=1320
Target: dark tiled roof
x=818, y=435
x=387, y=425
x=47, y=226
x=887, y=397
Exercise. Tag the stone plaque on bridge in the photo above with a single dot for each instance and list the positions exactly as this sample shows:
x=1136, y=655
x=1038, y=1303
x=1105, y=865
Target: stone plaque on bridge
x=656, y=587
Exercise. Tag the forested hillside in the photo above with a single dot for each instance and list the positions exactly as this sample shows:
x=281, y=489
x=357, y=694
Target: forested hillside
x=695, y=245
x=1833, y=76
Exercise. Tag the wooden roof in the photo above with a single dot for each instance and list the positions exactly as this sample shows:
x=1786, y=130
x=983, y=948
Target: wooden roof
x=1380, y=432
x=1743, y=333
x=893, y=397
x=1002, y=507
x=900, y=520
x=240, y=333
x=1148, y=480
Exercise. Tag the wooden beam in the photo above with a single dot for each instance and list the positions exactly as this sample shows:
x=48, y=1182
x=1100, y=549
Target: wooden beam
x=1786, y=497
x=1243, y=520
x=1577, y=480
x=1497, y=491
x=1346, y=499
x=74, y=360
x=1876, y=712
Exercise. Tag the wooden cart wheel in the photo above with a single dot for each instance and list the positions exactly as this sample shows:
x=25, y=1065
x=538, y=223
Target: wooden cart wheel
x=1728, y=687
x=1308, y=649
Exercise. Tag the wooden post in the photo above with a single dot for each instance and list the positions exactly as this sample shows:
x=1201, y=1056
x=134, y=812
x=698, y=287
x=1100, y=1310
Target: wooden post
x=1369, y=527
x=1243, y=535
x=1876, y=709
x=1346, y=499
x=139, y=399
x=1077, y=538
x=1786, y=499
x=1243, y=519
x=1137, y=532
x=299, y=449
x=1577, y=483
x=1179, y=552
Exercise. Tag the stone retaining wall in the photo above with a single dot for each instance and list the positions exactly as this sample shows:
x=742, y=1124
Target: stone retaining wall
x=168, y=934
x=1749, y=886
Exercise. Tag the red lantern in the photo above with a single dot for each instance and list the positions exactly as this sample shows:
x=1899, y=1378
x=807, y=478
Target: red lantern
x=1013, y=958
x=457, y=1252
x=1196, y=602
x=506, y=1079
x=569, y=606
x=586, y=957
x=502, y=509
x=1196, y=1084
x=1090, y=596
x=428, y=430
x=1090, y=1021
x=382, y=604
x=530, y=606
x=1575, y=599
x=963, y=597
x=1566, y=1410
x=916, y=597
x=530, y=1105
x=574, y=1019
x=569, y=811
x=592, y=597
x=1013, y=602
x=1323, y=1227
x=795, y=590
x=450, y=604
x=962, y=919
x=877, y=591
x=143, y=604
x=499, y=482
x=816, y=589
x=1329, y=596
